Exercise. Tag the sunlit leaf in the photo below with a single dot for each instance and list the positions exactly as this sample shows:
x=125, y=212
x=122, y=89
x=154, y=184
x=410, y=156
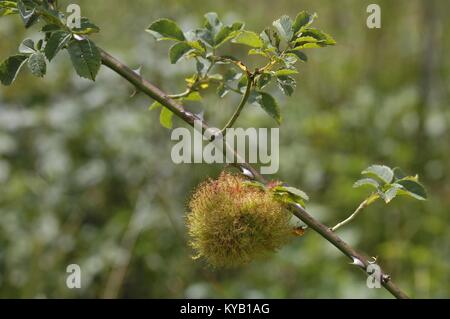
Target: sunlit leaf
x=248, y=38
x=166, y=29
x=381, y=171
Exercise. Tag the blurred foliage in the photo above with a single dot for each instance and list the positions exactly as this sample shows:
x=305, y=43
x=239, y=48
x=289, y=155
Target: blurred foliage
x=86, y=175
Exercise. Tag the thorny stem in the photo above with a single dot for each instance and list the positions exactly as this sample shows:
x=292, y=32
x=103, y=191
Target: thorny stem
x=240, y=106
x=360, y=208
x=152, y=91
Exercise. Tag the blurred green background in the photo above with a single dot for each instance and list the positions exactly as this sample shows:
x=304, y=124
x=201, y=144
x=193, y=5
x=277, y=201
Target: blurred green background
x=86, y=175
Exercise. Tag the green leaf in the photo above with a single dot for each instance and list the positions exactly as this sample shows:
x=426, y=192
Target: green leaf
x=227, y=33
x=263, y=79
x=286, y=84
x=8, y=8
x=303, y=19
x=193, y=96
x=284, y=27
x=381, y=171
x=258, y=52
x=269, y=104
x=242, y=84
x=222, y=90
x=213, y=23
x=302, y=56
x=178, y=50
x=254, y=184
x=248, y=38
x=10, y=67
x=197, y=45
x=390, y=194
x=283, y=72
x=205, y=36
x=366, y=181
x=57, y=41
x=50, y=28
x=37, y=64
x=27, y=47
x=85, y=58
x=294, y=191
x=165, y=29
x=86, y=27
x=154, y=106
x=29, y=17
x=412, y=188
x=398, y=173
x=322, y=37
x=166, y=118
x=303, y=40
x=202, y=66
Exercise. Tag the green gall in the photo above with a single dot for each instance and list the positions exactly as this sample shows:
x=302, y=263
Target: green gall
x=231, y=224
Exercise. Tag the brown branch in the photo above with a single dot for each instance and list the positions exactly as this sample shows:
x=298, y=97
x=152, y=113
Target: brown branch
x=155, y=93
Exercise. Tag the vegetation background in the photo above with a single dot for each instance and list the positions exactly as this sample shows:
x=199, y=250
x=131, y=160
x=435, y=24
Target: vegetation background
x=86, y=175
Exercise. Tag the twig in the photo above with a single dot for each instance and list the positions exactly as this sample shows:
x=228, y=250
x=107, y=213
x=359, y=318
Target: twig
x=240, y=106
x=361, y=206
x=155, y=93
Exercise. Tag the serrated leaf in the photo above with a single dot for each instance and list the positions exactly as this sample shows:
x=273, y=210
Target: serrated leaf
x=86, y=27
x=85, y=58
x=178, y=50
x=10, y=67
x=366, y=181
x=284, y=27
x=269, y=104
x=57, y=41
x=166, y=118
x=166, y=29
x=286, y=84
x=381, y=171
x=248, y=38
x=303, y=19
x=37, y=64
x=412, y=188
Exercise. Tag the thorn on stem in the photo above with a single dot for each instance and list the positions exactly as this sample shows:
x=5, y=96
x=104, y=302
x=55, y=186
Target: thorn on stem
x=385, y=278
x=358, y=262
